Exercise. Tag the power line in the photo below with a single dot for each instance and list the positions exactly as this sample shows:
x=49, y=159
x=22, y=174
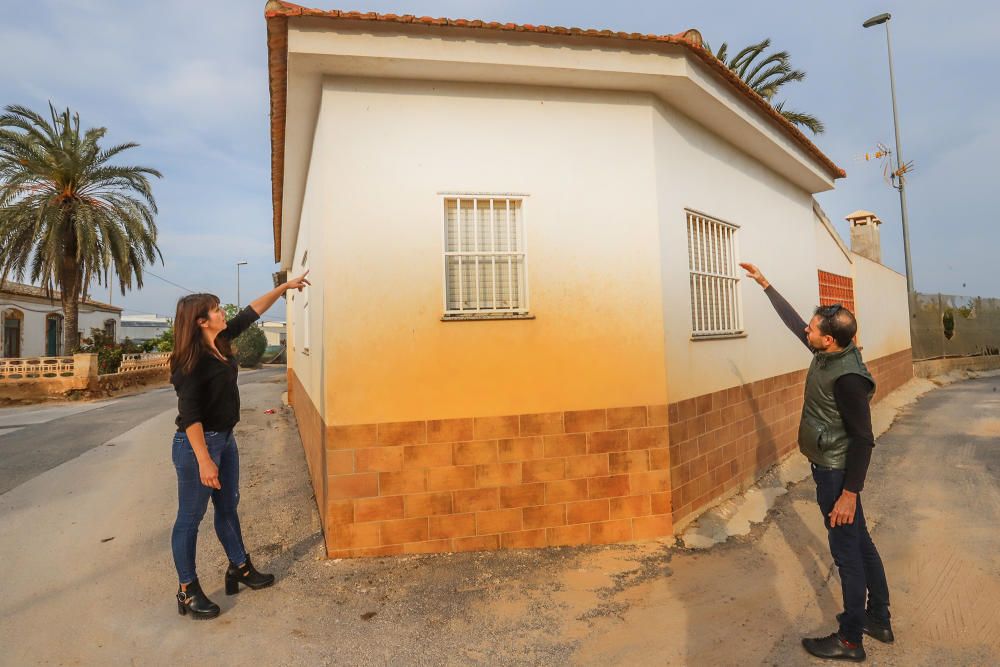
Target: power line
x=169, y=281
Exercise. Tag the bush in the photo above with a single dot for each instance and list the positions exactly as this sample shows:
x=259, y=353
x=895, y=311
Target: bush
x=249, y=346
x=109, y=353
x=162, y=343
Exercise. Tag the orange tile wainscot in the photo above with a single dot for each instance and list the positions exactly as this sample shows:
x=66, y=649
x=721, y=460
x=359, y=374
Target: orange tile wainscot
x=560, y=478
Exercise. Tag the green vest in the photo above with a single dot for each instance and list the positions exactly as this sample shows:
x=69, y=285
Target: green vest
x=822, y=436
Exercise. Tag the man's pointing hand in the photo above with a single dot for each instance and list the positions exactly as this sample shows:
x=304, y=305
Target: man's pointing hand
x=754, y=273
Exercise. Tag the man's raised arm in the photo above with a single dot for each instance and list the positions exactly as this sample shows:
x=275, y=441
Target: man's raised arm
x=785, y=311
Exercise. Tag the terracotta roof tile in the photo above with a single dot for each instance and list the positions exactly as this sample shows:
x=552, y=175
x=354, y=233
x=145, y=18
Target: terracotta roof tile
x=277, y=13
x=20, y=289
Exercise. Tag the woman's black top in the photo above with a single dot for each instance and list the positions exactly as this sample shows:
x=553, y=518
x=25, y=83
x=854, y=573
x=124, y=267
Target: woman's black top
x=209, y=394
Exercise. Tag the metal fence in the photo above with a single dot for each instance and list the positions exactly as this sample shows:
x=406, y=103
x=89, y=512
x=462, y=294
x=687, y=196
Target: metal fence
x=946, y=325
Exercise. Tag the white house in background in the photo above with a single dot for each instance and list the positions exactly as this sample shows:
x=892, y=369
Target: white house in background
x=275, y=332
x=140, y=328
x=527, y=325
x=32, y=321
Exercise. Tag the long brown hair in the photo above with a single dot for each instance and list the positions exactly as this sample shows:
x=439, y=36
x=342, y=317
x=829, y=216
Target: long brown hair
x=189, y=343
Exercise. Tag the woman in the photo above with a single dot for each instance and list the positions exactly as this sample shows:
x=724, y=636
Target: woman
x=203, y=371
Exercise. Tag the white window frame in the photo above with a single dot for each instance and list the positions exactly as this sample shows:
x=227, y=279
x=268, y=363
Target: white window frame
x=506, y=200
x=714, y=278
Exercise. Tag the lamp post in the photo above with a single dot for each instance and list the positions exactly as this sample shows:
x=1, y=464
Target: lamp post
x=874, y=21
x=238, y=265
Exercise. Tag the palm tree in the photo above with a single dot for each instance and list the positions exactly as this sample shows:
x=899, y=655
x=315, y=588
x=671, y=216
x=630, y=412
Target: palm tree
x=766, y=76
x=67, y=213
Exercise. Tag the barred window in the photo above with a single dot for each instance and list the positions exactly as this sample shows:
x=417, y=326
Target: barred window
x=484, y=256
x=716, y=308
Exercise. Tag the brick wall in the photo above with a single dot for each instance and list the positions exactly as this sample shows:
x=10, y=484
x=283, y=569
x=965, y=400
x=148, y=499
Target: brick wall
x=562, y=478
x=533, y=480
x=891, y=372
x=723, y=442
x=312, y=432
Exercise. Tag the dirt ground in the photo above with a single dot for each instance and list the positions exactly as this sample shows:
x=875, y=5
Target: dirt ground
x=932, y=501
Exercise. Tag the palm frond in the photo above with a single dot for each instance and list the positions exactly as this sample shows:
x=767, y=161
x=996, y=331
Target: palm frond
x=67, y=214
x=800, y=119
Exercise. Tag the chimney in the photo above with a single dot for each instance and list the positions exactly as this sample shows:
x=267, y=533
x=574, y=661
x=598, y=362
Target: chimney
x=865, y=239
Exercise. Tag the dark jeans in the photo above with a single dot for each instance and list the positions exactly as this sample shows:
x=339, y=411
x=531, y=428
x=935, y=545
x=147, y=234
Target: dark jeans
x=192, y=501
x=856, y=557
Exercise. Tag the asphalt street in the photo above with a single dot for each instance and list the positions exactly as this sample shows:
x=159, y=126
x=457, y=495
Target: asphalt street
x=34, y=439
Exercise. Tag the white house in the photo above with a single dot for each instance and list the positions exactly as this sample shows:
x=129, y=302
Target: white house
x=527, y=326
x=143, y=327
x=32, y=321
x=275, y=333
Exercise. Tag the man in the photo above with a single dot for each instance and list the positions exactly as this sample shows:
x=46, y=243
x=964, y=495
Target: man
x=835, y=434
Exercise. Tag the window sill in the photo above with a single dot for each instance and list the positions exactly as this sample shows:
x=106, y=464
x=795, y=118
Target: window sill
x=741, y=334
x=486, y=316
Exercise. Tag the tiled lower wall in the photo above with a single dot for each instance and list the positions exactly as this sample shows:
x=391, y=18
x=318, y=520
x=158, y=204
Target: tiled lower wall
x=562, y=478
x=723, y=441
x=533, y=480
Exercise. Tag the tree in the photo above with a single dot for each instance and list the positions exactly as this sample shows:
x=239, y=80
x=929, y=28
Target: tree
x=766, y=76
x=249, y=346
x=66, y=213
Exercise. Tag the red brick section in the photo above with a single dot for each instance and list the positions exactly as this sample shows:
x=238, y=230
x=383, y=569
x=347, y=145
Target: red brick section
x=725, y=440
x=277, y=13
x=514, y=481
x=891, y=372
x=834, y=288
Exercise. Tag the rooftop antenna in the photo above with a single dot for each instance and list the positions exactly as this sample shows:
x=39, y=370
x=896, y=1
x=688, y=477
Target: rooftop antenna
x=882, y=153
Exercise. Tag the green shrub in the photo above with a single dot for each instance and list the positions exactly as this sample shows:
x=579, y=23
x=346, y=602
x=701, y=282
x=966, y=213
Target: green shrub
x=249, y=346
x=109, y=353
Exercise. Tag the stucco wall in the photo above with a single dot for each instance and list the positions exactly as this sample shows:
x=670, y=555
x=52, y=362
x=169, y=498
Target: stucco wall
x=696, y=170
x=883, y=313
x=33, y=323
x=384, y=151
x=829, y=255
x=306, y=352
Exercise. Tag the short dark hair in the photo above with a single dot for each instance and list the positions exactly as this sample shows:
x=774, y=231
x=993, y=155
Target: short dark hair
x=838, y=322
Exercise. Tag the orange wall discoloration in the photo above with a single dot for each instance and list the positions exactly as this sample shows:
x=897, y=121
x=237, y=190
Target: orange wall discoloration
x=591, y=239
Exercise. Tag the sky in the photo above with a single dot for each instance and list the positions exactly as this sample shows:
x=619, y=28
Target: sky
x=187, y=80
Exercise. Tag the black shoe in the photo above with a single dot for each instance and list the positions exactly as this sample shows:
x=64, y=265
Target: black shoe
x=247, y=575
x=876, y=629
x=195, y=601
x=834, y=648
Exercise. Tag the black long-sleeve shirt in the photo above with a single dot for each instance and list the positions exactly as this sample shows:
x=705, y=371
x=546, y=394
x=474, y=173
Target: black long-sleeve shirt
x=208, y=394
x=851, y=395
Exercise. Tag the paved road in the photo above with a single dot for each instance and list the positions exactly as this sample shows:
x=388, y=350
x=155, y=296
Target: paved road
x=34, y=439
x=85, y=550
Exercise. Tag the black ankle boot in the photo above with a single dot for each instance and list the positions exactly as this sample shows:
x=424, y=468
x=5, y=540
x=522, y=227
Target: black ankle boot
x=246, y=574
x=195, y=601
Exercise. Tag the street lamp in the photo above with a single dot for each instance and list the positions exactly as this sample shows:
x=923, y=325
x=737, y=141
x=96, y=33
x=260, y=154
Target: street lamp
x=238, y=265
x=872, y=22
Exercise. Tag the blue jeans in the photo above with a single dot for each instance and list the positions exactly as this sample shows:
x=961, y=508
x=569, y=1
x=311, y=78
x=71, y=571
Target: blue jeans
x=192, y=501
x=857, y=559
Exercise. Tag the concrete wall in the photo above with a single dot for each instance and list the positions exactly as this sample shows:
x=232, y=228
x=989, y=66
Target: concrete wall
x=383, y=153
x=883, y=313
x=930, y=368
x=830, y=256
x=975, y=329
